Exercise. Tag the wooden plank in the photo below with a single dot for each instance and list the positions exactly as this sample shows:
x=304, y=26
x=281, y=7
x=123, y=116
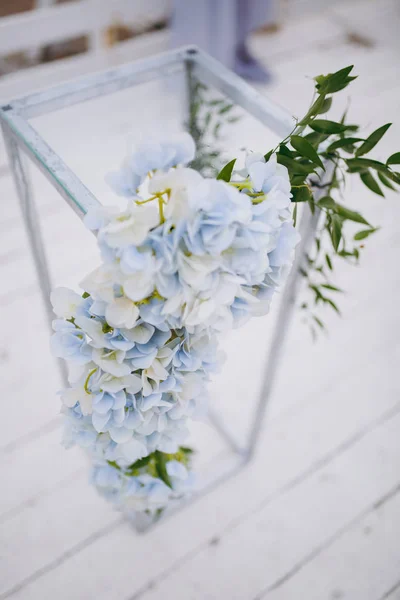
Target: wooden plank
x=84, y=513
x=42, y=76
x=43, y=26
x=281, y=534
x=311, y=428
x=41, y=466
x=360, y=563
x=57, y=23
x=320, y=434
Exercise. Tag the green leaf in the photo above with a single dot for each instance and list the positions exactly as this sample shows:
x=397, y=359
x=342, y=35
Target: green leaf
x=294, y=166
x=350, y=215
x=331, y=303
x=363, y=164
x=333, y=288
x=161, y=467
x=352, y=127
x=305, y=149
x=186, y=450
x=385, y=181
x=225, y=109
x=326, y=202
x=285, y=150
x=114, y=464
x=372, y=140
x=207, y=120
x=328, y=262
x=316, y=138
x=268, y=155
x=314, y=110
x=85, y=295
x=342, y=143
x=325, y=106
x=216, y=129
x=301, y=193
x=368, y=179
x=318, y=322
x=225, y=173
x=139, y=464
x=325, y=126
x=361, y=235
x=336, y=231
x=394, y=159
x=394, y=176
x=299, y=179
x=216, y=102
x=334, y=82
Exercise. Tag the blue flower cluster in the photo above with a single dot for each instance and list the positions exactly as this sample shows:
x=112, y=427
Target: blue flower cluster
x=187, y=259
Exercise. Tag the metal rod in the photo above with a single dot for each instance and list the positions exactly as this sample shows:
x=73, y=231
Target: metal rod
x=69, y=186
x=224, y=468
x=219, y=426
x=190, y=125
x=205, y=68
x=99, y=84
x=32, y=227
x=308, y=227
x=188, y=97
x=211, y=72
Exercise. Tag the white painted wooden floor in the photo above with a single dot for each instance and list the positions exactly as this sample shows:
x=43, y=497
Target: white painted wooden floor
x=317, y=513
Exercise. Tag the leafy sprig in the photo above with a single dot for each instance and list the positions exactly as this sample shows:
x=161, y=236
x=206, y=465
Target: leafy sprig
x=320, y=155
x=208, y=114
x=155, y=464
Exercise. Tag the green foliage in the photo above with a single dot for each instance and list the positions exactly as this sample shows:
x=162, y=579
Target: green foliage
x=155, y=464
x=312, y=146
x=161, y=467
x=368, y=179
x=361, y=235
x=226, y=172
x=301, y=193
x=325, y=126
x=207, y=117
x=306, y=149
x=315, y=143
x=394, y=159
x=372, y=140
x=334, y=82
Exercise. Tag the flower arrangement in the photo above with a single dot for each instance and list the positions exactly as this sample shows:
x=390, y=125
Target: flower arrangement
x=189, y=258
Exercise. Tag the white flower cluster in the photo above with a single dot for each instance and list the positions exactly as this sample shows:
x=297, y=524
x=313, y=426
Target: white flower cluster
x=188, y=258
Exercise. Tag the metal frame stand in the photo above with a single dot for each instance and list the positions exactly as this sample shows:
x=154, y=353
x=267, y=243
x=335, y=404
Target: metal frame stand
x=20, y=135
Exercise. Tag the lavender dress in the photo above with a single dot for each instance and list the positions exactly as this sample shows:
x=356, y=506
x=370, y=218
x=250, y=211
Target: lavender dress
x=220, y=27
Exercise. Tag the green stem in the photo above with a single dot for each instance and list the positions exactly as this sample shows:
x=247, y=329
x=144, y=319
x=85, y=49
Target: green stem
x=87, y=380
x=161, y=209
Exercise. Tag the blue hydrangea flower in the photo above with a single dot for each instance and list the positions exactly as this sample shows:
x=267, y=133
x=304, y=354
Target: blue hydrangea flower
x=186, y=259
x=70, y=343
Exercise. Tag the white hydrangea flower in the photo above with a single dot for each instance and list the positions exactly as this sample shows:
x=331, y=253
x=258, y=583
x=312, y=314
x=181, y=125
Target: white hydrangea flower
x=122, y=312
x=65, y=302
x=131, y=227
x=188, y=259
